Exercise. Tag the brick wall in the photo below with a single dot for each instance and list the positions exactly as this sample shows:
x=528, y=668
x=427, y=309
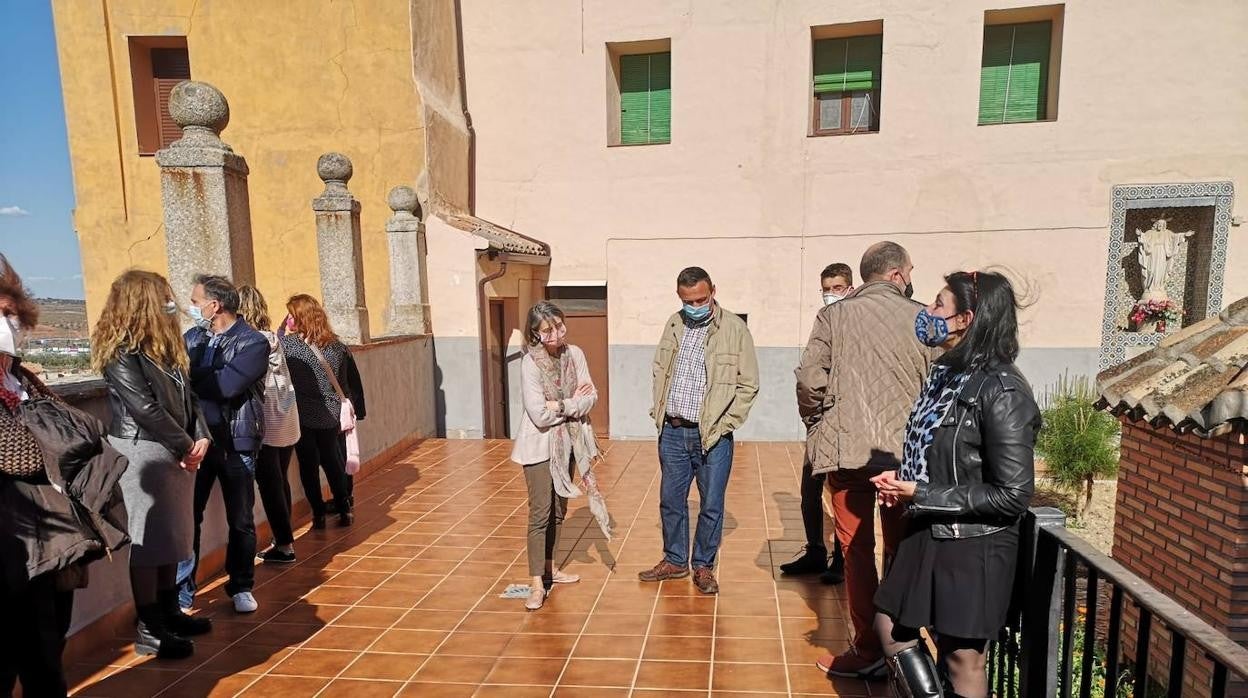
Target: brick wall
x=1181, y=523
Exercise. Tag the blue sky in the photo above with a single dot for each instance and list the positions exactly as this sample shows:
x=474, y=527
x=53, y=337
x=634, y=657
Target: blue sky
x=36, y=186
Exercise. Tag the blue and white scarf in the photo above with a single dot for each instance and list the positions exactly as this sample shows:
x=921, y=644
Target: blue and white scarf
x=939, y=394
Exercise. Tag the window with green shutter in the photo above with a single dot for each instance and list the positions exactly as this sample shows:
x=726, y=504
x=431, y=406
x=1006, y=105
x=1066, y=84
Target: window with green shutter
x=1014, y=73
x=847, y=85
x=646, y=98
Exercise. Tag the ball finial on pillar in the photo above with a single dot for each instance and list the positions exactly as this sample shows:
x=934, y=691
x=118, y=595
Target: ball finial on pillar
x=200, y=110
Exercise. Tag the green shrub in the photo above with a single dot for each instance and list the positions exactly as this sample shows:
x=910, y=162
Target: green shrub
x=1078, y=442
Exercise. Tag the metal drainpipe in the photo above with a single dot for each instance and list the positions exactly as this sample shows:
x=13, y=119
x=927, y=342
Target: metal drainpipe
x=482, y=309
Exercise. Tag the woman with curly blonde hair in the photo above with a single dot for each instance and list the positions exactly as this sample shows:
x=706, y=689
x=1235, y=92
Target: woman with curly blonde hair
x=157, y=425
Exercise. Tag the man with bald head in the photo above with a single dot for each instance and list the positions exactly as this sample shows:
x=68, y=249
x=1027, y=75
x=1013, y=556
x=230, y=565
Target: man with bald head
x=857, y=381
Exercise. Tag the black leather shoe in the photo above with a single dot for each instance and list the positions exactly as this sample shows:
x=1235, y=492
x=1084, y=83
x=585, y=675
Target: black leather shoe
x=318, y=522
x=835, y=573
x=346, y=518
x=811, y=561
x=178, y=622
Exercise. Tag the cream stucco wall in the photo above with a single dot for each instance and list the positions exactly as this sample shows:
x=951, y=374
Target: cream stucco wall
x=1149, y=92
x=301, y=79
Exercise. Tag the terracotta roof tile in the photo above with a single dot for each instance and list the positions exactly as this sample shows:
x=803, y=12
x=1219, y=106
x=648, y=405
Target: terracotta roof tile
x=1195, y=379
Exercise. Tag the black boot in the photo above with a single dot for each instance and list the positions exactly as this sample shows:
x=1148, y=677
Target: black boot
x=835, y=574
x=154, y=638
x=914, y=674
x=318, y=522
x=178, y=622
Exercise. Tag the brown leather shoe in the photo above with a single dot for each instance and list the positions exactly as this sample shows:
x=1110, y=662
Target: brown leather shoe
x=704, y=580
x=663, y=570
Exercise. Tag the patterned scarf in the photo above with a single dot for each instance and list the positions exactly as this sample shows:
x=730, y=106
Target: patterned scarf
x=934, y=403
x=572, y=440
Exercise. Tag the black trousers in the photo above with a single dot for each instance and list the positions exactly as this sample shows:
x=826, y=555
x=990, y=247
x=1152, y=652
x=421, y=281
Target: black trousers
x=812, y=509
x=237, y=474
x=274, y=484
x=342, y=444
x=35, y=621
x=319, y=449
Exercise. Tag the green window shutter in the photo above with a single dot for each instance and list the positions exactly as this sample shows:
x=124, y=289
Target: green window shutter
x=1014, y=73
x=849, y=64
x=1027, y=99
x=634, y=99
x=646, y=98
x=661, y=98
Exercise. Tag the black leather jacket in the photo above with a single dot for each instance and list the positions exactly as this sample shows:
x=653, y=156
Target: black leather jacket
x=981, y=464
x=151, y=404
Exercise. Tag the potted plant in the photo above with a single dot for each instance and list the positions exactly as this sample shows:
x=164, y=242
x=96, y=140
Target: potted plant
x=1078, y=442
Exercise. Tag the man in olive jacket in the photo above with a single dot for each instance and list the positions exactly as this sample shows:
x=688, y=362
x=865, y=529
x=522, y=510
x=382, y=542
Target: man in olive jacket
x=858, y=379
x=705, y=380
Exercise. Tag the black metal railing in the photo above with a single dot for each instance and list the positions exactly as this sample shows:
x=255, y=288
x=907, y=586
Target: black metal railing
x=1035, y=657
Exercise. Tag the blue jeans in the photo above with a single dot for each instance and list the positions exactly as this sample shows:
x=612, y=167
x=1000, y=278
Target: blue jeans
x=682, y=461
x=237, y=474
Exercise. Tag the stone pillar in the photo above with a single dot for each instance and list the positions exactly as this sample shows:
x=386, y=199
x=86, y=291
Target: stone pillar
x=409, y=285
x=338, y=247
x=203, y=186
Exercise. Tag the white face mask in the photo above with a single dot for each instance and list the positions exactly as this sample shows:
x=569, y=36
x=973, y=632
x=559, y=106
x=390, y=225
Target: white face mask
x=830, y=298
x=10, y=336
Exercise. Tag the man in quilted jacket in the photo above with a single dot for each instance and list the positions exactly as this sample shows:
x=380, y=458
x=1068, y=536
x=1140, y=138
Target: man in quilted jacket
x=857, y=380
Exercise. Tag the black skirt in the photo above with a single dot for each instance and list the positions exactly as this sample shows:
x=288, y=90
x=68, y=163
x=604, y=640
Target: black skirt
x=959, y=588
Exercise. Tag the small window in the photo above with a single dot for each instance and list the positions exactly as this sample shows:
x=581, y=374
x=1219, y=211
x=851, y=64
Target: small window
x=1014, y=73
x=646, y=98
x=157, y=65
x=846, y=85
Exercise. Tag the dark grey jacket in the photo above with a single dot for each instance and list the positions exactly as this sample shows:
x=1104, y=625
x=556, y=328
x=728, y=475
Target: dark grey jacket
x=981, y=463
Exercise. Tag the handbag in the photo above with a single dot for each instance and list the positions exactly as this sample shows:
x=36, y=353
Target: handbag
x=281, y=417
x=346, y=415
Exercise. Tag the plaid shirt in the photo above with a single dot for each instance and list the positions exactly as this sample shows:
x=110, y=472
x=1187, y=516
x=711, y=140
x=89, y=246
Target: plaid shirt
x=688, y=387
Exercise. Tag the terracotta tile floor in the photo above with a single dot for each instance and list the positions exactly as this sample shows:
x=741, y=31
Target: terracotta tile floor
x=406, y=603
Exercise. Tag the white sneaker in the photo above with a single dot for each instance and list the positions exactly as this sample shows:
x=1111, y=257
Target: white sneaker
x=244, y=602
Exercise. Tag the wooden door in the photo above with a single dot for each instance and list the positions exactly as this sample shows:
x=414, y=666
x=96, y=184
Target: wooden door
x=496, y=426
x=589, y=332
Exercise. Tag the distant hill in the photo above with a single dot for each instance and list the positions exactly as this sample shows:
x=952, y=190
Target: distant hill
x=61, y=318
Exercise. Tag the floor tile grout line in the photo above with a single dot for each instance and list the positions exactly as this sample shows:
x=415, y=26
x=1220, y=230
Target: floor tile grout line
x=610, y=573
x=784, y=650
x=401, y=500
x=467, y=516
x=132, y=663
x=468, y=611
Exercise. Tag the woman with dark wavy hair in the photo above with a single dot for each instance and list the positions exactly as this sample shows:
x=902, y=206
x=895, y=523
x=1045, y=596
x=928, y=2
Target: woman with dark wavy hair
x=966, y=479
x=61, y=502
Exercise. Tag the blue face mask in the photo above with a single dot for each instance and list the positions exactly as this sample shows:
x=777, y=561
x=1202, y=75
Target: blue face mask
x=931, y=330
x=197, y=316
x=696, y=313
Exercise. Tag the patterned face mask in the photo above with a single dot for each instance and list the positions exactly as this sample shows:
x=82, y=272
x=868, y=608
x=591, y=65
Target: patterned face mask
x=931, y=330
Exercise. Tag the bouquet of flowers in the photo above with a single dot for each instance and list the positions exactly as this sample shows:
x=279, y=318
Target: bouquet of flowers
x=1158, y=312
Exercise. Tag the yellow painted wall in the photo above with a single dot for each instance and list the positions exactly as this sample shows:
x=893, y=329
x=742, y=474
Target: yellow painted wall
x=302, y=78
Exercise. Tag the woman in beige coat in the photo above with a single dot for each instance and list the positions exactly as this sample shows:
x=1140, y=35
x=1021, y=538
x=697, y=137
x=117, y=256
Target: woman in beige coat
x=555, y=443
